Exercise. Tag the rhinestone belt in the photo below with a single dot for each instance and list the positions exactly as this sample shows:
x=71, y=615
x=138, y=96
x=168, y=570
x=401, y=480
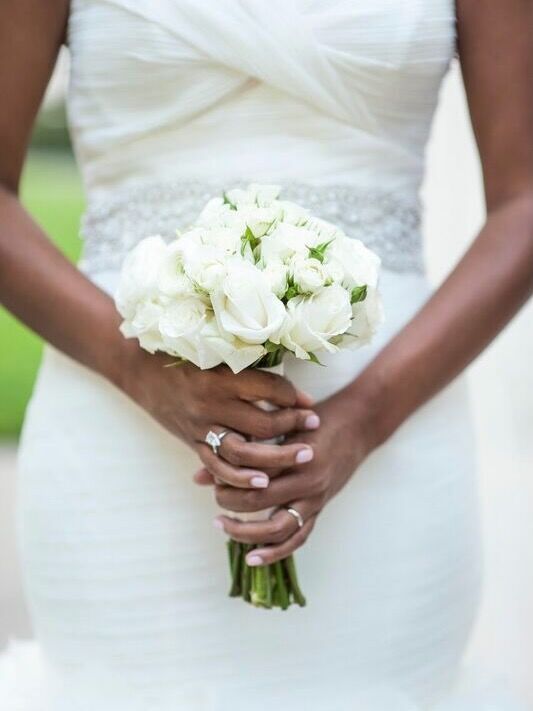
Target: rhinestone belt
x=386, y=222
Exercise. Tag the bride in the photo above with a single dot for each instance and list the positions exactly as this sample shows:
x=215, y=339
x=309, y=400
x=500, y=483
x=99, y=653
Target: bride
x=125, y=575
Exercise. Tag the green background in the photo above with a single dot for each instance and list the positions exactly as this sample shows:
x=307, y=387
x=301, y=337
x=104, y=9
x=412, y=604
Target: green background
x=52, y=193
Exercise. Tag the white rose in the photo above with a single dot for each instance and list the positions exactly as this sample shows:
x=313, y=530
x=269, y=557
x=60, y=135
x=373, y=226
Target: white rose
x=140, y=274
x=314, y=320
x=205, y=265
x=333, y=272
x=245, y=305
x=238, y=197
x=216, y=212
x=237, y=354
x=180, y=325
x=172, y=280
x=292, y=213
x=359, y=264
x=254, y=194
x=264, y=195
x=308, y=274
x=259, y=219
x=286, y=241
x=145, y=326
x=277, y=274
x=367, y=316
x=324, y=230
x=225, y=238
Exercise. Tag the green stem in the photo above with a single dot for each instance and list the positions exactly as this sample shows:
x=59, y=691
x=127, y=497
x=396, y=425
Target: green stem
x=282, y=594
x=290, y=568
x=246, y=575
x=236, y=564
x=261, y=594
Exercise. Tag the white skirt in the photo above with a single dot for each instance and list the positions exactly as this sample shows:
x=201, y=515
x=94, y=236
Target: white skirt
x=127, y=579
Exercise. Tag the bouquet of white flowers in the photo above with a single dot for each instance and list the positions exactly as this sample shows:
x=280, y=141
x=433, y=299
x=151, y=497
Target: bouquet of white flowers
x=255, y=277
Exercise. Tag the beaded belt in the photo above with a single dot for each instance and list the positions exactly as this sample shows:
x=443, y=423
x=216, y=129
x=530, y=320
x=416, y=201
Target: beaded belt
x=386, y=222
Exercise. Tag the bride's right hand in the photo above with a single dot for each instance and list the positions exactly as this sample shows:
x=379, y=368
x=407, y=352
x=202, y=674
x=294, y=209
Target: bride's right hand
x=189, y=402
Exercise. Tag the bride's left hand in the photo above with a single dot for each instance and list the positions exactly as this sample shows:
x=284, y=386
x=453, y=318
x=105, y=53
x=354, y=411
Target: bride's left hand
x=340, y=445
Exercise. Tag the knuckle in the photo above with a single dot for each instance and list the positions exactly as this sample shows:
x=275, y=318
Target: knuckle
x=280, y=535
x=234, y=452
x=264, y=427
x=243, y=500
x=276, y=529
x=317, y=484
x=290, y=394
x=221, y=496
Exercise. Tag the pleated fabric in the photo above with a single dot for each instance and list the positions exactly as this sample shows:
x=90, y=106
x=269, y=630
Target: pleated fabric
x=273, y=90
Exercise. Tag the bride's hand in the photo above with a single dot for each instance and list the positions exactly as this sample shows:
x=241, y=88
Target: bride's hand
x=340, y=445
x=189, y=402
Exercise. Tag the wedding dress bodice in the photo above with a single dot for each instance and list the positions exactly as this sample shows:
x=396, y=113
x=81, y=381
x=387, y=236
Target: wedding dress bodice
x=262, y=89
x=323, y=93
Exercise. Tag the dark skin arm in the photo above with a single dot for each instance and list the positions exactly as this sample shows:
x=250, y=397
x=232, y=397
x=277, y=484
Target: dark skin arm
x=52, y=297
x=481, y=295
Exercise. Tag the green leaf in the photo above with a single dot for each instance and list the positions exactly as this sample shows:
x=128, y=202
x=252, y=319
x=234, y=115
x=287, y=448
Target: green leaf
x=175, y=363
x=358, y=294
x=319, y=251
x=227, y=201
x=271, y=347
x=292, y=289
x=314, y=359
x=291, y=292
x=249, y=238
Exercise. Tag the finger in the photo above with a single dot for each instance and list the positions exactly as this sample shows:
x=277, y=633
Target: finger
x=236, y=450
x=240, y=477
x=303, y=399
x=289, y=487
x=251, y=420
x=270, y=554
x=280, y=527
x=260, y=385
x=264, y=425
x=203, y=477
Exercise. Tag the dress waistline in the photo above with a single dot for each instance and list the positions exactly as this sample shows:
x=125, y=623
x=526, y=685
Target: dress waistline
x=386, y=222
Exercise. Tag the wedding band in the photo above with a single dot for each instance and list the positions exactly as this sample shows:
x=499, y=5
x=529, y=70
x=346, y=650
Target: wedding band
x=214, y=440
x=297, y=515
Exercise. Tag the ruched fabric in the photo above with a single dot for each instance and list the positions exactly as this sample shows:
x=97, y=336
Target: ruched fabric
x=300, y=90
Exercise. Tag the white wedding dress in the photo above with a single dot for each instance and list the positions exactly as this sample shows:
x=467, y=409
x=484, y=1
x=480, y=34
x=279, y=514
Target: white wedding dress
x=127, y=580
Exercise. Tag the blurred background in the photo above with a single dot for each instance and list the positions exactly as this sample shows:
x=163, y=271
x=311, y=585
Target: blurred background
x=501, y=380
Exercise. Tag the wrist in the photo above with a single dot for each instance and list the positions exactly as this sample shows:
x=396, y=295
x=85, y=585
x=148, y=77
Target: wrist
x=120, y=359
x=366, y=402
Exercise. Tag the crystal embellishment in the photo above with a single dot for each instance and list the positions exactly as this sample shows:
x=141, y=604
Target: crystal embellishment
x=387, y=222
x=213, y=440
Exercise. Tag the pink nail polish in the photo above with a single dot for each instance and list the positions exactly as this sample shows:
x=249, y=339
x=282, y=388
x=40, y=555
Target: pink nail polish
x=304, y=455
x=312, y=422
x=259, y=482
x=217, y=523
x=254, y=560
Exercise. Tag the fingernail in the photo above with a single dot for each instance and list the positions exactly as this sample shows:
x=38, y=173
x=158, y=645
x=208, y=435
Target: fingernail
x=254, y=560
x=304, y=455
x=217, y=523
x=259, y=482
x=312, y=422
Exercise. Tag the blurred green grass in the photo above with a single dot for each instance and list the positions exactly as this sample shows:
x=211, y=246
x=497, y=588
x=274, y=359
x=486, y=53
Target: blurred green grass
x=51, y=191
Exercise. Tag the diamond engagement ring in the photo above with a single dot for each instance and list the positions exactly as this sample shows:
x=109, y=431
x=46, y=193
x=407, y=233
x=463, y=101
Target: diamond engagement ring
x=214, y=440
x=297, y=515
